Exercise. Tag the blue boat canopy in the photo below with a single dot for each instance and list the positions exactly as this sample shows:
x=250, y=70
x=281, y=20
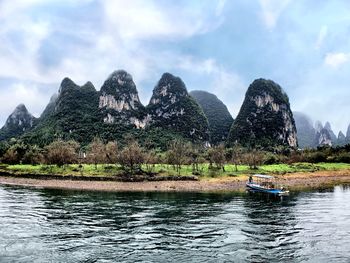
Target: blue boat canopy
x=263, y=176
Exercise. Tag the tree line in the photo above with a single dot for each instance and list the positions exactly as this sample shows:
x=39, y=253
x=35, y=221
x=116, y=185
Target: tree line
x=134, y=158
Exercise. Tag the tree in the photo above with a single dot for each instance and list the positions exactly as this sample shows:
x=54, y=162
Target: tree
x=195, y=153
x=131, y=157
x=15, y=152
x=3, y=148
x=97, y=152
x=254, y=158
x=33, y=156
x=151, y=159
x=11, y=157
x=112, y=152
x=62, y=152
x=235, y=155
x=177, y=154
x=216, y=155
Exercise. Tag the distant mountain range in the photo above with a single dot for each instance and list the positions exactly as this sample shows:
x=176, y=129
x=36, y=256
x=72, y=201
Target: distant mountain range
x=82, y=113
x=311, y=135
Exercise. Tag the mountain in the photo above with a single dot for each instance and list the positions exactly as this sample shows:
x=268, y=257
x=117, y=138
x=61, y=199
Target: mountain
x=19, y=121
x=323, y=138
x=172, y=108
x=334, y=138
x=310, y=136
x=341, y=140
x=50, y=108
x=81, y=113
x=73, y=114
x=219, y=118
x=265, y=118
x=119, y=101
x=305, y=131
x=348, y=135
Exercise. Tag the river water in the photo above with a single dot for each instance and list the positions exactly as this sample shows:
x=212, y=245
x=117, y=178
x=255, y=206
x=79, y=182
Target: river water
x=39, y=225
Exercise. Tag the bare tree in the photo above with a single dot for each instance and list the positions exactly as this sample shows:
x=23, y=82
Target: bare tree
x=131, y=157
x=195, y=156
x=236, y=155
x=254, y=158
x=217, y=156
x=97, y=152
x=112, y=152
x=62, y=152
x=151, y=159
x=177, y=154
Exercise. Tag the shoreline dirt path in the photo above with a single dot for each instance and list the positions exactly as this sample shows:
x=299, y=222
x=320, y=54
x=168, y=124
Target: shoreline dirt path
x=293, y=181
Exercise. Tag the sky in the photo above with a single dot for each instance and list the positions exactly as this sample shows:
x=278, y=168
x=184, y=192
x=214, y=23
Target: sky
x=218, y=46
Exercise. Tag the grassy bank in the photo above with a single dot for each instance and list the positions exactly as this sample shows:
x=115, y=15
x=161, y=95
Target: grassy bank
x=168, y=170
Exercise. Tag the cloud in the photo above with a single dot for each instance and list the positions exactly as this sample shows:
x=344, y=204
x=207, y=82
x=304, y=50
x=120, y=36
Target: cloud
x=42, y=42
x=335, y=60
x=321, y=36
x=34, y=96
x=135, y=20
x=229, y=86
x=271, y=10
x=220, y=7
x=47, y=48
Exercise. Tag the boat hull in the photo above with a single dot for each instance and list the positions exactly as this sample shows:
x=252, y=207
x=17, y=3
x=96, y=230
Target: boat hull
x=272, y=191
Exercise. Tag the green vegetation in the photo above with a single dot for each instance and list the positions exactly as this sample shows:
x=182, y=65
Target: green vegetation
x=172, y=109
x=265, y=118
x=74, y=117
x=181, y=158
x=105, y=170
x=219, y=118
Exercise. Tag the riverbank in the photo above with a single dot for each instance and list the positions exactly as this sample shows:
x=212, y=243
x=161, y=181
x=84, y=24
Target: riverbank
x=293, y=181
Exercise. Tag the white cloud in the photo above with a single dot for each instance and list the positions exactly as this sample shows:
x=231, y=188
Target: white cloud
x=28, y=93
x=117, y=42
x=321, y=36
x=335, y=60
x=134, y=20
x=226, y=84
x=271, y=10
x=220, y=7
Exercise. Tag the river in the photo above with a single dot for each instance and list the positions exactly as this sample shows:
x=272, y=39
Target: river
x=38, y=225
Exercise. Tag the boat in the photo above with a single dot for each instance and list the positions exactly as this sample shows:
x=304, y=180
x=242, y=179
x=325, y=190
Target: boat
x=261, y=183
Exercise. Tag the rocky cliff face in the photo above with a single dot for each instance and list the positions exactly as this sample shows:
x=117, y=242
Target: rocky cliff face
x=323, y=138
x=332, y=135
x=265, y=118
x=219, y=118
x=119, y=101
x=19, y=121
x=305, y=130
x=172, y=108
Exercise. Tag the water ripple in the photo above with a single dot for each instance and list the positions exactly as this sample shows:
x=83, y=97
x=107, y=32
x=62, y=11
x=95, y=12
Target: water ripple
x=63, y=226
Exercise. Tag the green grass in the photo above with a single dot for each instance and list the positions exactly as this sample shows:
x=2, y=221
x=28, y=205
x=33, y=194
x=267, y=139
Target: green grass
x=164, y=169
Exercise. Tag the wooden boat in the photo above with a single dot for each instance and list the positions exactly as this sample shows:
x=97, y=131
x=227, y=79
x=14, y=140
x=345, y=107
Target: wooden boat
x=260, y=183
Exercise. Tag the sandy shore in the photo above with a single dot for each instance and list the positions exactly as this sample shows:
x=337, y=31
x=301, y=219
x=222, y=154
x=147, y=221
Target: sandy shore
x=294, y=181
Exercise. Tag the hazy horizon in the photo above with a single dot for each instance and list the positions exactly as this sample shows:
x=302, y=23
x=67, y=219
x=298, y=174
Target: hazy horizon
x=216, y=46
